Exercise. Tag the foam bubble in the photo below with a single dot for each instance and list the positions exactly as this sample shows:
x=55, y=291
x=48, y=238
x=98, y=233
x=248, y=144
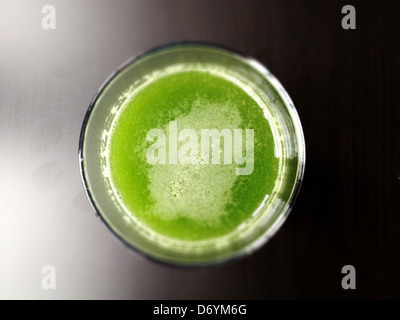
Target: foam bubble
x=196, y=191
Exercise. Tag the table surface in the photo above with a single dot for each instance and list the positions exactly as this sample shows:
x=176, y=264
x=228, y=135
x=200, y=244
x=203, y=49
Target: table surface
x=345, y=85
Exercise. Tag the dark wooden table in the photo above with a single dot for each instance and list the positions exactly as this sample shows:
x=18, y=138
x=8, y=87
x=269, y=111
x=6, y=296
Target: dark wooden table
x=345, y=85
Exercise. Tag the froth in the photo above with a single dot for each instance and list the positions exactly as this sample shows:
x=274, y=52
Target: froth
x=174, y=188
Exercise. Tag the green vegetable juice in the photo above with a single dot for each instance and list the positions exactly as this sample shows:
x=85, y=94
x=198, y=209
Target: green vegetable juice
x=191, y=154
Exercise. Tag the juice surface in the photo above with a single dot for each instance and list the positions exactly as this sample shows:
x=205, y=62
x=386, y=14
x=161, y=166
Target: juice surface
x=187, y=201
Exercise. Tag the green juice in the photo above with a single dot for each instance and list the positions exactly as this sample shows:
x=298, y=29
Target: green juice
x=192, y=155
x=190, y=201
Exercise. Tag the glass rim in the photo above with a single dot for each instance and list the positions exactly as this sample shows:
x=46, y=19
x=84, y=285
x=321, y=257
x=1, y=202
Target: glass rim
x=294, y=117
